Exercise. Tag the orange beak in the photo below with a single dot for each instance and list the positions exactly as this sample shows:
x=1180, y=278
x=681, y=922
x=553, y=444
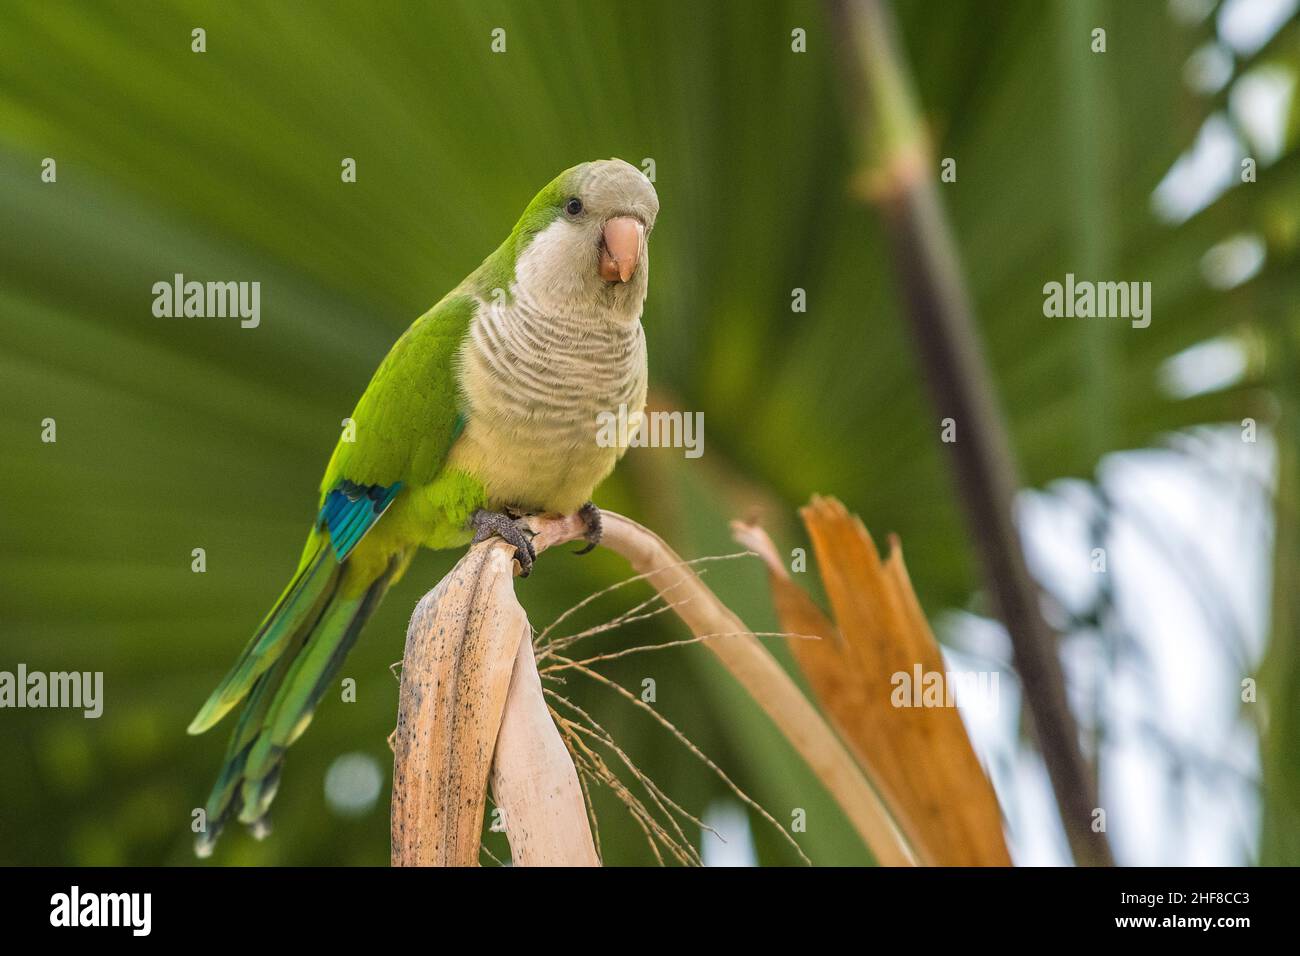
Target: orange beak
x=620, y=250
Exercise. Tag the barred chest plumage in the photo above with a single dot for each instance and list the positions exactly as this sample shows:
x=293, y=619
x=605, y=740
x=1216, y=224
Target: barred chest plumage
x=533, y=387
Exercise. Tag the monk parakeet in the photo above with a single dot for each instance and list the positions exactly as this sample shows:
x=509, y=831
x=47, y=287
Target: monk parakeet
x=485, y=409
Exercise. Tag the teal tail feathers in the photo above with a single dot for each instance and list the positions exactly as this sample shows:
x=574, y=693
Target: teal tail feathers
x=283, y=672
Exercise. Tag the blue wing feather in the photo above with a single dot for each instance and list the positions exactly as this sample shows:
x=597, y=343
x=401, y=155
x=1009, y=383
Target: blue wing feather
x=350, y=510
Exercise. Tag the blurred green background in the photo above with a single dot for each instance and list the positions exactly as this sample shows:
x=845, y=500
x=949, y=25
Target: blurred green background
x=175, y=434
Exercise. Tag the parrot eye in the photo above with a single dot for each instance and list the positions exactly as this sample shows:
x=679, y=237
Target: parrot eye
x=573, y=206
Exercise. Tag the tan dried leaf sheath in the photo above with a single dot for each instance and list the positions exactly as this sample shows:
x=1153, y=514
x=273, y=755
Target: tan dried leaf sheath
x=470, y=712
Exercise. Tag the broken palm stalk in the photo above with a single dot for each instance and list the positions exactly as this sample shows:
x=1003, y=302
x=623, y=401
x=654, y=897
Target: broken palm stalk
x=470, y=706
x=919, y=758
x=470, y=712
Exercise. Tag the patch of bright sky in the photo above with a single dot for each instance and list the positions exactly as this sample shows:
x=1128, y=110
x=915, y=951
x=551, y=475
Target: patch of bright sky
x=1203, y=368
x=1260, y=102
x=1234, y=261
x=1187, y=557
x=1034, y=835
x=1202, y=174
x=1246, y=25
x=736, y=846
x=1190, y=560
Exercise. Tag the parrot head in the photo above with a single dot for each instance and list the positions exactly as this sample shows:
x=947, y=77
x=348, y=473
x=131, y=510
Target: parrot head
x=582, y=245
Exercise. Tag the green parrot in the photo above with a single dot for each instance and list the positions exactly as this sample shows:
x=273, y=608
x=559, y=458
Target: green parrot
x=485, y=409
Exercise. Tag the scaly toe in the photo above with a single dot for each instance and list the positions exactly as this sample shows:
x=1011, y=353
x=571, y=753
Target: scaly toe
x=487, y=524
x=590, y=516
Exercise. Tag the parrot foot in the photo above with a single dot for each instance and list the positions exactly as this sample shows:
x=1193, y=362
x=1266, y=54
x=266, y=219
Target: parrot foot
x=590, y=516
x=505, y=526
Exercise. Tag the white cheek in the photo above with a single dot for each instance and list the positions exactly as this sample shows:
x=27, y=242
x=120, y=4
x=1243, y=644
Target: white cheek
x=553, y=269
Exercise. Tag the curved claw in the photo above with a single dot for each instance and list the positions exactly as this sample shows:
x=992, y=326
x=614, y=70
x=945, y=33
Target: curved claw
x=590, y=516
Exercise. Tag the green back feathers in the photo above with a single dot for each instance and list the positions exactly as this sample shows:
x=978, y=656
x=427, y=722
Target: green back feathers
x=406, y=421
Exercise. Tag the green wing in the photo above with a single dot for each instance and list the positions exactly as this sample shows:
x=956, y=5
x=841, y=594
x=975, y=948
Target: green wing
x=405, y=424
x=409, y=416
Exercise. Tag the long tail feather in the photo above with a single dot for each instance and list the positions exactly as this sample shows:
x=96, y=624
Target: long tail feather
x=284, y=672
x=299, y=605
